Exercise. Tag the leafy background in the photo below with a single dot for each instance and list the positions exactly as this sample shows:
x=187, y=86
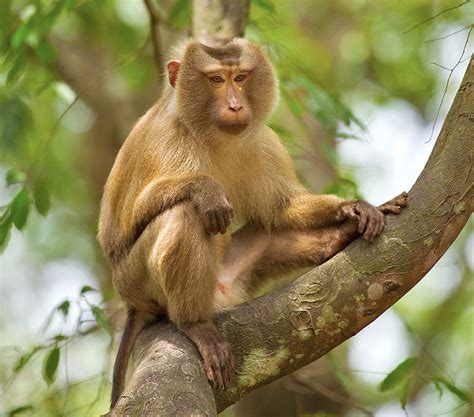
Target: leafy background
x=364, y=88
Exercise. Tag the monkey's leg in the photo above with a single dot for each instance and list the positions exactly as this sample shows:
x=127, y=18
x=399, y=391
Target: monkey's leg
x=256, y=254
x=302, y=248
x=185, y=261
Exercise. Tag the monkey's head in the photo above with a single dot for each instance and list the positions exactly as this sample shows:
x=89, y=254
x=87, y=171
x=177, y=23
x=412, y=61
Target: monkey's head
x=223, y=88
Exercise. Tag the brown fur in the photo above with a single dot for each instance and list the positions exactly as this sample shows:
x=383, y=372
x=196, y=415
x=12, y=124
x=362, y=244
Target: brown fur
x=200, y=156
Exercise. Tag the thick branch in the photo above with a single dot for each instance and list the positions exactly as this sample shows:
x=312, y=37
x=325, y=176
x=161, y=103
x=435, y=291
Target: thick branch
x=219, y=19
x=291, y=327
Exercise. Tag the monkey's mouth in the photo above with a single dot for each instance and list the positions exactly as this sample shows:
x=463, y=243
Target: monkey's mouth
x=233, y=129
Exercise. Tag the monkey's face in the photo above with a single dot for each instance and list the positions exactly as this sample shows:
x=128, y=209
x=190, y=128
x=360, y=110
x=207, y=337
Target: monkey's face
x=229, y=110
x=223, y=89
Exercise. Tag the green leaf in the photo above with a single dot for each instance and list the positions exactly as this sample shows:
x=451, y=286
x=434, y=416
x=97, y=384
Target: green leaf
x=102, y=319
x=70, y=4
x=60, y=338
x=14, y=177
x=15, y=119
x=25, y=358
x=398, y=375
x=6, y=22
x=461, y=394
x=438, y=387
x=20, y=35
x=42, y=199
x=49, y=19
x=87, y=288
x=266, y=5
x=64, y=308
x=20, y=209
x=45, y=51
x=16, y=69
x=180, y=14
x=51, y=363
x=18, y=410
x=5, y=227
x=403, y=397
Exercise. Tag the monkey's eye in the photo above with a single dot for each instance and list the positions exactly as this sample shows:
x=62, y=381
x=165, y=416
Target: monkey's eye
x=239, y=78
x=217, y=79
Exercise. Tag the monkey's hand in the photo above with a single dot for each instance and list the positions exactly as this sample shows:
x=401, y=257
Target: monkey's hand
x=370, y=220
x=215, y=211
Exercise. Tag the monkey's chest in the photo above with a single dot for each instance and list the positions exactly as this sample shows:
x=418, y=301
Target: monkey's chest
x=253, y=199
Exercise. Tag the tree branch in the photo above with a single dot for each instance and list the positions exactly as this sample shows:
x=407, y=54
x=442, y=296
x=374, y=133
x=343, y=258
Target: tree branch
x=155, y=35
x=221, y=19
x=279, y=333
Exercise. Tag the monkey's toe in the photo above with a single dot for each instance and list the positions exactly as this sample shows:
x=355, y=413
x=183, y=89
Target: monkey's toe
x=218, y=364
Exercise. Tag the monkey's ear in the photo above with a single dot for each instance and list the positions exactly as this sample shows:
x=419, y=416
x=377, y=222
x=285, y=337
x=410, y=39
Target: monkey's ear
x=173, y=68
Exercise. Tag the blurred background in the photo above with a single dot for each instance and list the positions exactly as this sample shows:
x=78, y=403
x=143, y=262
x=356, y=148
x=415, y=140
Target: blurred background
x=365, y=86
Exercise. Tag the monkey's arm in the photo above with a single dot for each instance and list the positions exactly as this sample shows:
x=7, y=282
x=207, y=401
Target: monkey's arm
x=161, y=194
x=306, y=211
x=309, y=211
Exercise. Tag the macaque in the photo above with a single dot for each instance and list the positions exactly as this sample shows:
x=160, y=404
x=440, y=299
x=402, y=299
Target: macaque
x=202, y=158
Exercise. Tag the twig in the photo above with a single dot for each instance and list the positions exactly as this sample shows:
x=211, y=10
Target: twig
x=449, y=34
x=155, y=36
x=451, y=70
x=435, y=16
x=335, y=397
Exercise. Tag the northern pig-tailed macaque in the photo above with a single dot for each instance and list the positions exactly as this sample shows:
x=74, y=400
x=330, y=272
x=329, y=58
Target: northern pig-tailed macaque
x=200, y=159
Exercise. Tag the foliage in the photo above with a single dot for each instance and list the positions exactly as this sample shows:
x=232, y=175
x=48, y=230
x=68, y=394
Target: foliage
x=56, y=145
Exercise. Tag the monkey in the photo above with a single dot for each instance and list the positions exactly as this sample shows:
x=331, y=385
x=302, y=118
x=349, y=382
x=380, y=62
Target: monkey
x=203, y=205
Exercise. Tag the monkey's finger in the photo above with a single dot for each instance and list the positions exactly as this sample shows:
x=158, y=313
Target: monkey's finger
x=348, y=212
x=362, y=221
x=351, y=214
x=213, y=223
x=229, y=371
x=209, y=373
x=217, y=222
x=369, y=229
x=398, y=201
x=379, y=221
x=375, y=228
x=381, y=226
x=394, y=209
x=376, y=220
x=226, y=364
x=390, y=208
x=216, y=366
x=221, y=222
x=225, y=221
x=229, y=214
x=208, y=222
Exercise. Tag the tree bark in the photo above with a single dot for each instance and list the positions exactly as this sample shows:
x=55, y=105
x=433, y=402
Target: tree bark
x=279, y=333
x=219, y=19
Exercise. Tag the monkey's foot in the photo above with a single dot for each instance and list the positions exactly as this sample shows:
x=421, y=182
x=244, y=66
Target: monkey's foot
x=394, y=205
x=215, y=352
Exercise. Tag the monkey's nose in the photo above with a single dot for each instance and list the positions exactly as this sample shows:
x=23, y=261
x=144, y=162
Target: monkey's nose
x=235, y=106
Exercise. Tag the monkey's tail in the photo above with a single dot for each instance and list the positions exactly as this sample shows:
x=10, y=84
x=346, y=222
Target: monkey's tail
x=134, y=325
